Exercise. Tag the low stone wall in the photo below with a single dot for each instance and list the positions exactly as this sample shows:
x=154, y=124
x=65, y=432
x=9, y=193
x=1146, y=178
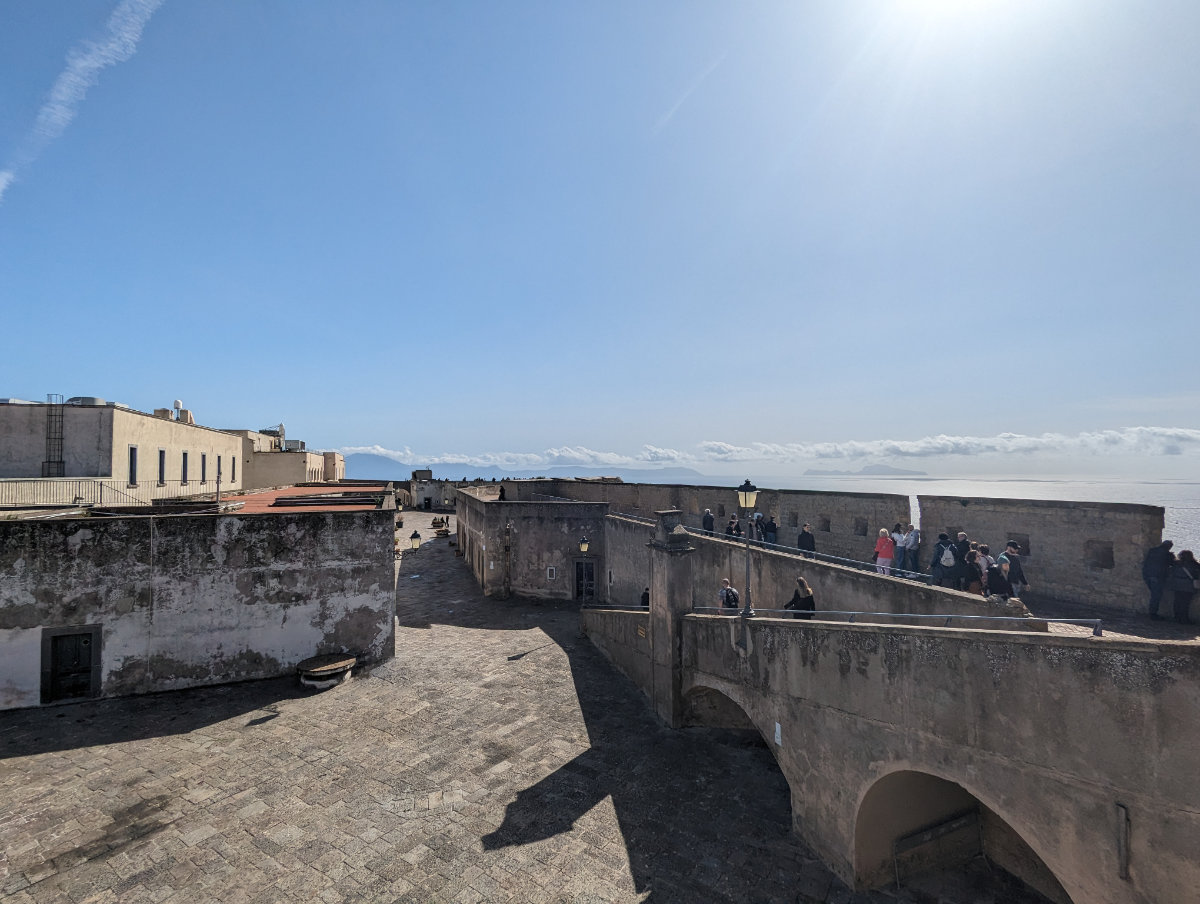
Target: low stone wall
x=835, y=587
x=178, y=601
x=623, y=637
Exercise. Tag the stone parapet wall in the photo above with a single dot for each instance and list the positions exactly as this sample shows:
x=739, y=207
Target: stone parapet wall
x=1081, y=552
x=623, y=638
x=182, y=601
x=844, y=524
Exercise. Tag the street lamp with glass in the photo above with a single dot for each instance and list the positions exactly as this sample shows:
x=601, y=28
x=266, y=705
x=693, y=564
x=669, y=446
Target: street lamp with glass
x=415, y=539
x=747, y=497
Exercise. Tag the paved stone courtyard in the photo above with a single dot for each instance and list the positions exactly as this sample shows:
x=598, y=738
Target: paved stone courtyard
x=497, y=758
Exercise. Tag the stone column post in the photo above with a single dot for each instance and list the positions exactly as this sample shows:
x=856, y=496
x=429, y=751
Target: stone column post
x=670, y=600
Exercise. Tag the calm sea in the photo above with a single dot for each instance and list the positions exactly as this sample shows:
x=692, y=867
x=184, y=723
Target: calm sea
x=1180, y=498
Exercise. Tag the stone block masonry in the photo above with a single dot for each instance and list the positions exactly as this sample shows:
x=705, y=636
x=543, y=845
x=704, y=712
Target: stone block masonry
x=170, y=602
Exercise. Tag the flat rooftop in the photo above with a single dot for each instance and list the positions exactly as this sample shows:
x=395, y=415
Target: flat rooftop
x=330, y=498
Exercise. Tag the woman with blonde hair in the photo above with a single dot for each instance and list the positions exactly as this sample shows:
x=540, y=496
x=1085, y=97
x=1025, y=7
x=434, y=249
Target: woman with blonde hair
x=802, y=604
x=885, y=549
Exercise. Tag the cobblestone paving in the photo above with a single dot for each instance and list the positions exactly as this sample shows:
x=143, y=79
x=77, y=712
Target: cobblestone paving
x=497, y=758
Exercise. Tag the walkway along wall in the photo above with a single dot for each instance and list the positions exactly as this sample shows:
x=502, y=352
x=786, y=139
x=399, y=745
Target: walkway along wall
x=844, y=524
x=1076, y=754
x=177, y=601
x=1081, y=552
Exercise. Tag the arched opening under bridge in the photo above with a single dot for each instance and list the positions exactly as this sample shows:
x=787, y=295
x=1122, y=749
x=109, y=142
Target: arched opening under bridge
x=913, y=825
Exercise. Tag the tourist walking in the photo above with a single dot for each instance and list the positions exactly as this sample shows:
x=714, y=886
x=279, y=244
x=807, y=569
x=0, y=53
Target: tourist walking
x=733, y=528
x=1184, y=580
x=962, y=546
x=912, y=550
x=1155, y=568
x=646, y=598
x=944, y=566
x=885, y=548
x=729, y=597
x=997, y=579
x=770, y=530
x=974, y=572
x=802, y=604
x=708, y=521
x=1016, y=574
x=806, y=542
x=898, y=555
x=985, y=562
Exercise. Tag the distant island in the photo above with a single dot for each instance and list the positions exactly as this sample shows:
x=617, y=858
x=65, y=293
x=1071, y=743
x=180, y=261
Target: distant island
x=867, y=471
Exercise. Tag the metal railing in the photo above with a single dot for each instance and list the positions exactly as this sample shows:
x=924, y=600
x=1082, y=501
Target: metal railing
x=632, y=517
x=100, y=491
x=905, y=573
x=1097, y=625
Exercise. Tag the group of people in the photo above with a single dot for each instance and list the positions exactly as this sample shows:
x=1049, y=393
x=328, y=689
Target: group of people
x=801, y=605
x=1162, y=570
x=897, y=550
x=965, y=564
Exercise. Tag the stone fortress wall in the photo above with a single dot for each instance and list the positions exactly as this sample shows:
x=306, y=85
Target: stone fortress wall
x=1080, y=552
x=178, y=601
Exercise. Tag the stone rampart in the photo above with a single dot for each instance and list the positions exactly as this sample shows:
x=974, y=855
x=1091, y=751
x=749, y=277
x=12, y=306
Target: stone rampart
x=179, y=601
x=1082, y=552
x=623, y=637
x=844, y=524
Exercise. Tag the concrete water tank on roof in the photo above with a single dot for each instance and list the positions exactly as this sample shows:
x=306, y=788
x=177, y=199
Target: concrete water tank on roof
x=86, y=400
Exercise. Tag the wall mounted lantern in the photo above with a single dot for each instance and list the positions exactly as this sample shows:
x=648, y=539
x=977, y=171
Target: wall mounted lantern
x=583, y=545
x=415, y=539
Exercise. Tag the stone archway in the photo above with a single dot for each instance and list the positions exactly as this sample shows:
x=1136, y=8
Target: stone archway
x=909, y=822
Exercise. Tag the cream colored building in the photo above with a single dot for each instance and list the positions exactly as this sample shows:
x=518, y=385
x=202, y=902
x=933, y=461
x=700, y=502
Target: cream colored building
x=92, y=452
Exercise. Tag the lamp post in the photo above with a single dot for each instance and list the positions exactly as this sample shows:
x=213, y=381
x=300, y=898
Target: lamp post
x=747, y=496
x=415, y=539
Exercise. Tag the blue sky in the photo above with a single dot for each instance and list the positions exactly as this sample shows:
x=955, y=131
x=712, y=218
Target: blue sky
x=695, y=232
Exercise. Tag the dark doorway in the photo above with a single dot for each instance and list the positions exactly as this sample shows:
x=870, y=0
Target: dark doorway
x=428, y=503
x=70, y=663
x=585, y=581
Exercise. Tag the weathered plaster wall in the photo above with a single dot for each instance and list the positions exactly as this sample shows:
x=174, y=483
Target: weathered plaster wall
x=530, y=548
x=278, y=469
x=623, y=637
x=1050, y=733
x=195, y=600
x=1084, y=552
x=853, y=519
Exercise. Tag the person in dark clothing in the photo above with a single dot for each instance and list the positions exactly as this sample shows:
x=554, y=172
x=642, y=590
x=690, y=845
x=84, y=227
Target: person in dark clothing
x=974, y=571
x=708, y=521
x=802, y=604
x=997, y=581
x=733, y=528
x=1155, y=568
x=806, y=542
x=1183, y=580
x=962, y=575
x=646, y=598
x=944, y=566
x=1016, y=574
x=501, y=492
x=770, y=530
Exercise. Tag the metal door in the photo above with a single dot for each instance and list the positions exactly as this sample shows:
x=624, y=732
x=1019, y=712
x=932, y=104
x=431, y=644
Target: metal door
x=71, y=666
x=585, y=581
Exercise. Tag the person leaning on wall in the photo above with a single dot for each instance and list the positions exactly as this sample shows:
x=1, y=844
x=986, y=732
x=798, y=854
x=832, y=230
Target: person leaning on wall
x=802, y=604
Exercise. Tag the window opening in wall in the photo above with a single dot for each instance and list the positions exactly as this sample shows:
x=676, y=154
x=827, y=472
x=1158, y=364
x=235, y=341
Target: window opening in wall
x=218, y=467
x=720, y=511
x=551, y=573
x=824, y=524
x=860, y=527
x=233, y=468
x=203, y=468
x=162, y=467
x=1023, y=547
x=133, y=466
x=1096, y=553
x=794, y=519
x=183, y=469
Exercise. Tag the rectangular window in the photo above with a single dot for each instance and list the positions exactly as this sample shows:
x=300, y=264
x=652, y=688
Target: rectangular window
x=218, y=469
x=183, y=470
x=133, y=466
x=233, y=469
x=162, y=467
x=203, y=467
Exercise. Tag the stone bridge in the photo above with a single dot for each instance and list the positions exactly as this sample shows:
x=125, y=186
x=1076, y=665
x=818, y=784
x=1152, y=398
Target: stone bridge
x=1072, y=762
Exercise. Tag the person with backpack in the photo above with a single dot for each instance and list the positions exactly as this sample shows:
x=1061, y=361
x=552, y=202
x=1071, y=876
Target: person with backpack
x=730, y=599
x=944, y=566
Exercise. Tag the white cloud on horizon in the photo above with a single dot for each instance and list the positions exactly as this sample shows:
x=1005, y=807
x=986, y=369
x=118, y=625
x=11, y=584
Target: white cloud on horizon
x=84, y=63
x=1130, y=441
